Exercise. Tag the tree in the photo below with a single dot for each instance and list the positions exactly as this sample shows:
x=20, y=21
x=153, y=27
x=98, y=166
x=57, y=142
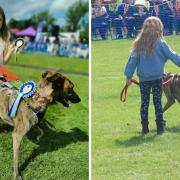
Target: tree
x=21, y=24
x=44, y=15
x=84, y=35
x=34, y=21
x=74, y=13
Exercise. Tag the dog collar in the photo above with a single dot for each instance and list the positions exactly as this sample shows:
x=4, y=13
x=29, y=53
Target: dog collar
x=40, y=100
x=43, y=100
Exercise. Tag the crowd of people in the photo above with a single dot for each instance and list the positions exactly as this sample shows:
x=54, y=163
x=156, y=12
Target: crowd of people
x=124, y=19
x=55, y=46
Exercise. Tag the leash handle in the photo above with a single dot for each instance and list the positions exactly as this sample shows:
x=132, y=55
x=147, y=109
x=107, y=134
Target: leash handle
x=135, y=81
x=124, y=93
x=124, y=90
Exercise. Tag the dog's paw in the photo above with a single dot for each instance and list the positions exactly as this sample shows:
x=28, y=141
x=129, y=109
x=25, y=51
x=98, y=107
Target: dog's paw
x=18, y=178
x=38, y=138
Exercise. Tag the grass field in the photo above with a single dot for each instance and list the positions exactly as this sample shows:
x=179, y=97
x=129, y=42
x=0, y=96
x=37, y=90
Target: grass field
x=63, y=151
x=119, y=151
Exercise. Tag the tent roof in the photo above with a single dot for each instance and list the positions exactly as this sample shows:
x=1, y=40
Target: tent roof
x=30, y=31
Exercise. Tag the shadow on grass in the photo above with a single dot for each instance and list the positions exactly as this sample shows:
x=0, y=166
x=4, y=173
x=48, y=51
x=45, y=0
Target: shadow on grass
x=136, y=140
x=52, y=140
x=144, y=139
x=175, y=129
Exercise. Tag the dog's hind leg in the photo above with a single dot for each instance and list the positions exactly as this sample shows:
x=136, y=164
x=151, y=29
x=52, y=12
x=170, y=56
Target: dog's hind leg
x=169, y=103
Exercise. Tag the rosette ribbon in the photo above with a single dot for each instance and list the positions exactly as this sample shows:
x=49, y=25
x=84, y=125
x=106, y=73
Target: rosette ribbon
x=26, y=90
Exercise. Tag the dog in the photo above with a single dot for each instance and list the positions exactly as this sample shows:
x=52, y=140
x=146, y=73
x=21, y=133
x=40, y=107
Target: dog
x=171, y=88
x=52, y=87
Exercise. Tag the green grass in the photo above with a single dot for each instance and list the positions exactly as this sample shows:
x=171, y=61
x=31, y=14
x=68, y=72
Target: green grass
x=119, y=151
x=53, y=62
x=63, y=150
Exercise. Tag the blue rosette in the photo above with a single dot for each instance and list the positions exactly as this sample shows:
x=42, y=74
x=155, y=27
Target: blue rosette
x=26, y=90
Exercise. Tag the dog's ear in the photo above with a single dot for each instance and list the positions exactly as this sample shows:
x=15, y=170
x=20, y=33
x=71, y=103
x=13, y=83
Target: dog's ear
x=50, y=76
x=68, y=84
x=54, y=77
x=45, y=74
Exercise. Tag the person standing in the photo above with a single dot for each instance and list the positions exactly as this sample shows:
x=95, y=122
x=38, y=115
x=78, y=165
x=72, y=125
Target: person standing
x=6, y=49
x=149, y=54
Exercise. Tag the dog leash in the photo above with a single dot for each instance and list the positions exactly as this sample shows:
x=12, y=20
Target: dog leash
x=7, y=75
x=166, y=81
x=124, y=90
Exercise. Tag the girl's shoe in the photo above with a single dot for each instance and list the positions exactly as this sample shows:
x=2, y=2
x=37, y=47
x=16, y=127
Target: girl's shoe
x=160, y=127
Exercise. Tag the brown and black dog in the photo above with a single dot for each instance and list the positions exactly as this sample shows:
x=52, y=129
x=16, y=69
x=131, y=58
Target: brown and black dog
x=171, y=89
x=52, y=87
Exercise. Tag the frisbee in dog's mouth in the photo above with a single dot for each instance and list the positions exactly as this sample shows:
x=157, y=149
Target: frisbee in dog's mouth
x=19, y=42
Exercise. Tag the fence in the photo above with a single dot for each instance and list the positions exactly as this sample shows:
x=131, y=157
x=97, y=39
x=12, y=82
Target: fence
x=124, y=20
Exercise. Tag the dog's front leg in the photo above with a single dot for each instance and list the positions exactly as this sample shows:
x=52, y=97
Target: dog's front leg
x=40, y=135
x=170, y=102
x=16, y=144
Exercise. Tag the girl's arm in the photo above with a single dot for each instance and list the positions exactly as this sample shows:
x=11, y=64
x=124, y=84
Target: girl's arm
x=170, y=54
x=131, y=66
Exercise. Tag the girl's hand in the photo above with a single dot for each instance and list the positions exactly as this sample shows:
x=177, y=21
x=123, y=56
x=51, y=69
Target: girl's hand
x=128, y=82
x=11, y=48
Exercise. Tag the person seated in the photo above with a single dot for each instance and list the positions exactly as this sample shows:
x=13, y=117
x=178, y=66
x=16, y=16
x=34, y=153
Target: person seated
x=125, y=12
x=177, y=17
x=151, y=6
x=99, y=20
x=170, y=16
x=140, y=15
x=116, y=22
x=163, y=12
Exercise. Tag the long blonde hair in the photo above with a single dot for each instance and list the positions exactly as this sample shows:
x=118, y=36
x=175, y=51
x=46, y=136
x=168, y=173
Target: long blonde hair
x=152, y=30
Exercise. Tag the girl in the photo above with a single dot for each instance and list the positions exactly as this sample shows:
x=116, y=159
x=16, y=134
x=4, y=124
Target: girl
x=6, y=49
x=149, y=55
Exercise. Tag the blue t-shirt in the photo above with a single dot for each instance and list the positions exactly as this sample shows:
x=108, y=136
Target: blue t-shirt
x=151, y=67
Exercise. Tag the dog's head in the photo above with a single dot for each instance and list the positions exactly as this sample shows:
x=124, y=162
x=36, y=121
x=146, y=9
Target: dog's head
x=63, y=91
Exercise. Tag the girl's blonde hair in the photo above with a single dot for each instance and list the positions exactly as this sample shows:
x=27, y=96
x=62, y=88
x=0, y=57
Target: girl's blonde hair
x=152, y=30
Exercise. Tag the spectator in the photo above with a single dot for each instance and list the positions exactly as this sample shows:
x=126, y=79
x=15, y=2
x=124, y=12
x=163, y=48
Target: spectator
x=116, y=21
x=177, y=17
x=99, y=20
x=56, y=46
x=170, y=16
x=125, y=12
x=140, y=15
x=165, y=13
x=49, y=46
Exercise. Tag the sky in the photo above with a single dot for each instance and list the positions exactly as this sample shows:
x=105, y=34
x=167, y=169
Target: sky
x=24, y=9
